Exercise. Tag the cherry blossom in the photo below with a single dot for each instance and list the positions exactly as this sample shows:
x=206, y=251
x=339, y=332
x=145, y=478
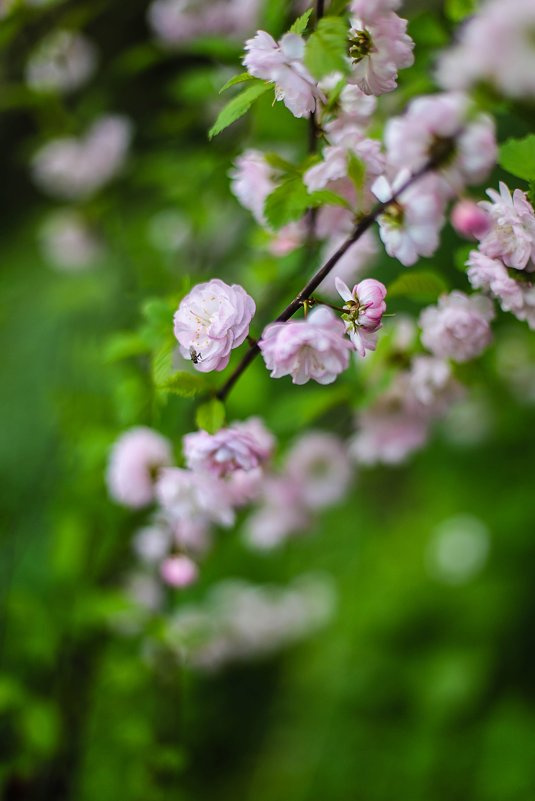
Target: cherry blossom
x=179, y=571
x=365, y=307
x=491, y=275
x=242, y=446
x=135, y=460
x=458, y=327
x=252, y=180
x=511, y=236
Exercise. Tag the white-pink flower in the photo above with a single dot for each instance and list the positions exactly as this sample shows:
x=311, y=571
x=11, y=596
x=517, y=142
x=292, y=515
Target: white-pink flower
x=252, y=181
x=191, y=496
x=68, y=242
x=353, y=113
x=210, y=321
x=490, y=275
x=365, y=307
x=469, y=220
x=511, y=236
x=458, y=326
x=177, y=21
x=379, y=46
x=410, y=226
x=282, y=63
x=135, y=460
x=242, y=446
x=281, y=514
x=313, y=348
x=63, y=62
x=179, y=571
x=444, y=125
x=319, y=466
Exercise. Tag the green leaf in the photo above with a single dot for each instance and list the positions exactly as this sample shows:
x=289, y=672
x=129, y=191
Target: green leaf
x=211, y=416
x=457, y=10
x=184, y=384
x=241, y=78
x=517, y=156
x=278, y=163
x=326, y=49
x=418, y=285
x=123, y=345
x=356, y=170
x=322, y=197
x=287, y=202
x=162, y=362
x=300, y=24
x=238, y=106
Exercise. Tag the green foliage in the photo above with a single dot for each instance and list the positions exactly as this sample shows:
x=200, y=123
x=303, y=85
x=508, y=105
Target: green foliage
x=457, y=10
x=300, y=25
x=326, y=49
x=238, y=106
x=517, y=156
x=422, y=286
x=356, y=170
x=287, y=202
x=211, y=415
x=184, y=384
x=243, y=77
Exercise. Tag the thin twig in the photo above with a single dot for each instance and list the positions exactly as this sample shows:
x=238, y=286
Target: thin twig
x=310, y=287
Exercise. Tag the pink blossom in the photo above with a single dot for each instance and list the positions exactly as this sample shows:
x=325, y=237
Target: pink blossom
x=335, y=161
x=432, y=385
x=281, y=513
x=458, y=327
x=188, y=496
x=498, y=28
x=319, y=466
x=282, y=63
x=135, y=460
x=68, y=242
x=210, y=321
x=77, y=168
x=365, y=307
x=62, y=62
x=313, y=348
x=179, y=571
x=152, y=543
x=490, y=275
x=242, y=446
x=443, y=124
x=370, y=9
x=177, y=21
x=379, y=46
x=511, y=236
x=353, y=113
x=288, y=238
x=469, y=220
x=252, y=181
x=410, y=226
x=357, y=258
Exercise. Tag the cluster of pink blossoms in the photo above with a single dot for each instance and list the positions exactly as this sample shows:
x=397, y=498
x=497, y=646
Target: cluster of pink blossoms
x=176, y=22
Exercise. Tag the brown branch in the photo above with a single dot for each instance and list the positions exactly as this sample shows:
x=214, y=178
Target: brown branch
x=310, y=287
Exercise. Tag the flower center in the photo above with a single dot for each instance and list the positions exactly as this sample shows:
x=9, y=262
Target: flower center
x=394, y=214
x=360, y=44
x=442, y=149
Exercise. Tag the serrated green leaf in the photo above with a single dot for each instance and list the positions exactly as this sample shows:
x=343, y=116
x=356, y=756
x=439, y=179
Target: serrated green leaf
x=517, y=156
x=278, y=163
x=326, y=49
x=418, y=285
x=238, y=106
x=210, y=416
x=323, y=197
x=287, y=202
x=124, y=345
x=184, y=384
x=356, y=170
x=241, y=78
x=300, y=24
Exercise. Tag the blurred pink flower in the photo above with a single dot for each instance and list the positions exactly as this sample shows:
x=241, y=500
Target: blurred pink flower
x=282, y=63
x=198, y=497
x=318, y=464
x=252, y=181
x=179, y=571
x=288, y=238
x=135, y=460
x=458, y=327
x=469, y=220
x=490, y=275
x=511, y=236
x=280, y=514
x=365, y=307
x=242, y=446
x=62, y=62
x=210, y=321
x=313, y=348
x=68, y=242
x=178, y=21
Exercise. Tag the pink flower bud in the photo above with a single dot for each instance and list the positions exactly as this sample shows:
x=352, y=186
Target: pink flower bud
x=179, y=571
x=469, y=220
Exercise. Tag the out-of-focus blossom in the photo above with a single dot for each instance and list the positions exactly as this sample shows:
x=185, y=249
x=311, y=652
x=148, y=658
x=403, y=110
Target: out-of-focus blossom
x=443, y=126
x=497, y=28
x=410, y=226
x=145, y=591
x=511, y=236
x=151, y=543
x=168, y=230
x=288, y=238
x=68, y=242
x=188, y=496
x=242, y=446
x=469, y=220
x=239, y=621
x=63, y=62
x=210, y=321
x=282, y=63
x=432, y=384
x=458, y=327
x=354, y=110
x=490, y=275
x=379, y=46
x=77, y=168
x=179, y=571
x=313, y=348
x=178, y=21
x=319, y=466
x=252, y=180
x=136, y=459
x=458, y=549
x=335, y=161
x=281, y=514
x=357, y=259
x=365, y=306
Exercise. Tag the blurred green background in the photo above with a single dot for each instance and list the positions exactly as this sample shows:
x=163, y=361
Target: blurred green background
x=421, y=686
